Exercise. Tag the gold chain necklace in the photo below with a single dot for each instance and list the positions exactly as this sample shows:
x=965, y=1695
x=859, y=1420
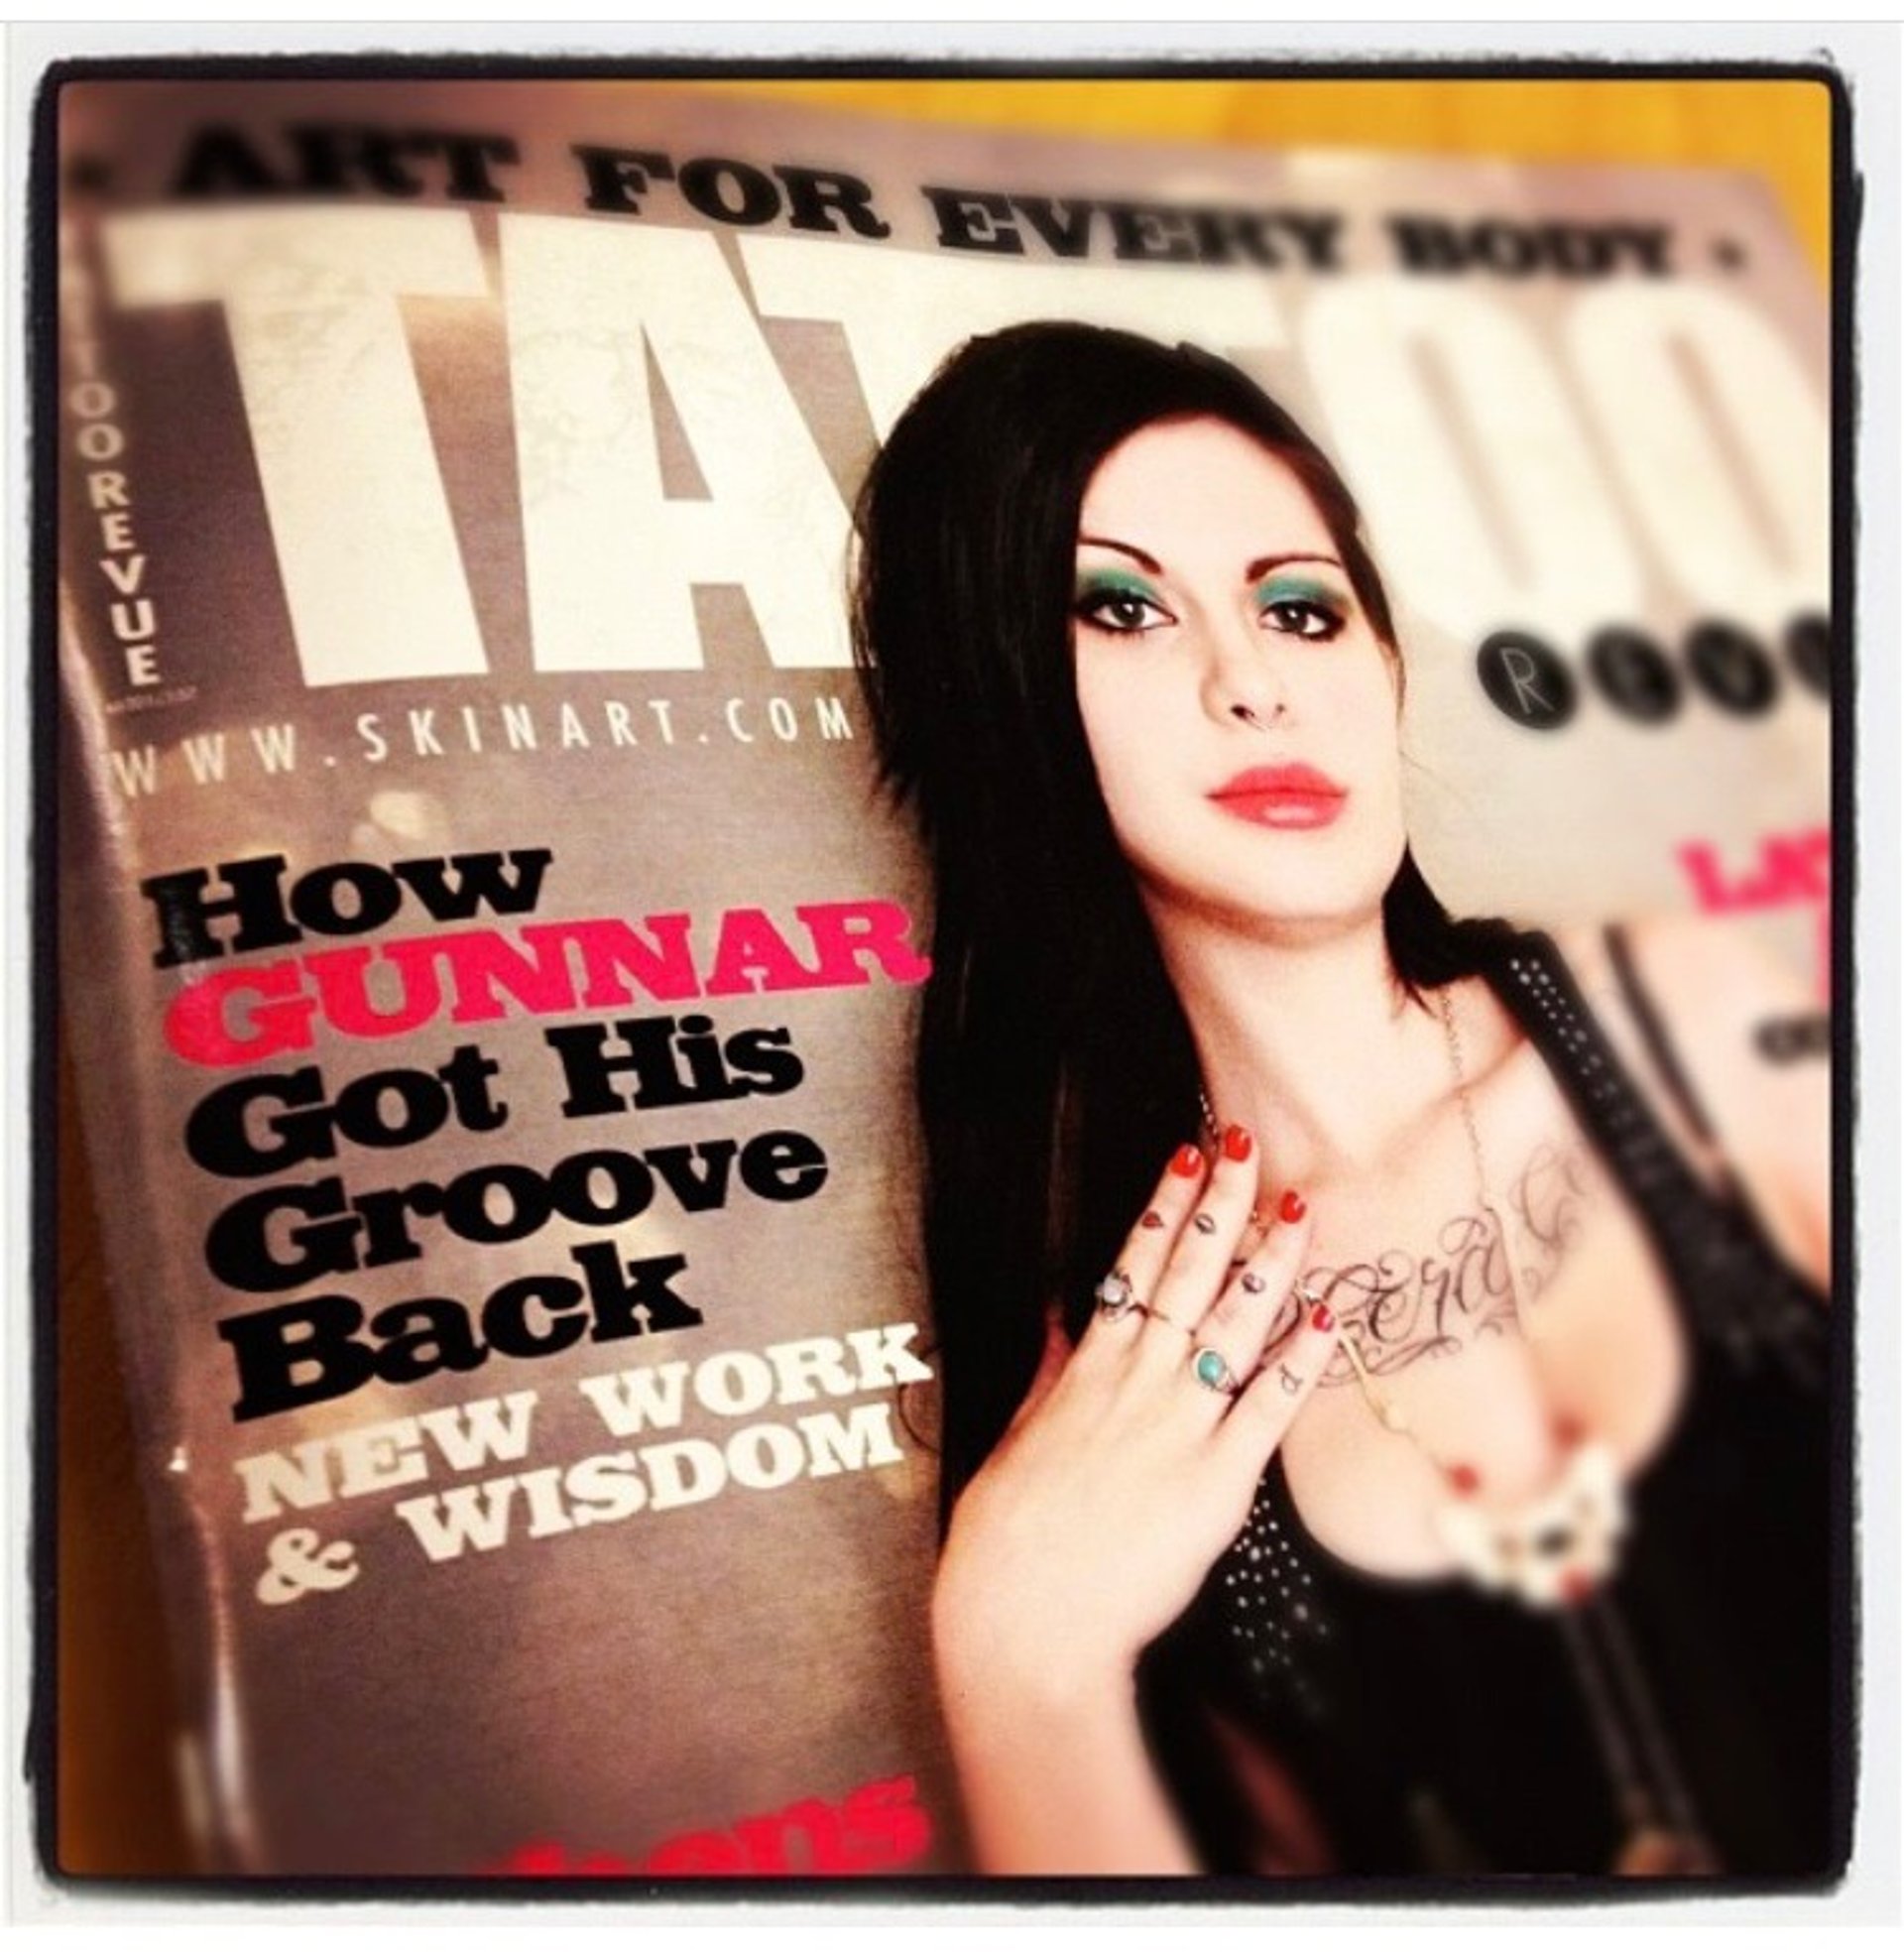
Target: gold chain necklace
x=1555, y=1552
x=1554, y=1549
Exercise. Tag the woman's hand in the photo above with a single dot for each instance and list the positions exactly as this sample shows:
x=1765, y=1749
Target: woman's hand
x=1125, y=1475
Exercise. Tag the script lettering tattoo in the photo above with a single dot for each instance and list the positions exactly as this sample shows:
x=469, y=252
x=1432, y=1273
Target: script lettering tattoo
x=1549, y=1203
x=1401, y=1307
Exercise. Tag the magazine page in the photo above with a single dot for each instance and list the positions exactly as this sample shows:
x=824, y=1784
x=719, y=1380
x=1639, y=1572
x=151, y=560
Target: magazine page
x=492, y=954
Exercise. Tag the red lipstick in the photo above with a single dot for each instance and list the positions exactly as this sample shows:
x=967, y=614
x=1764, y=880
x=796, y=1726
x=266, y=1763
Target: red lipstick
x=1282, y=797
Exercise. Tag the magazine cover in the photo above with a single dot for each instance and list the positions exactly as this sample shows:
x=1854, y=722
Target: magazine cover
x=502, y=939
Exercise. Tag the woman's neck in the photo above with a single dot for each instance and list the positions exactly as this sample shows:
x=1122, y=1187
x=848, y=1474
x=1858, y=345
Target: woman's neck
x=1312, y=1044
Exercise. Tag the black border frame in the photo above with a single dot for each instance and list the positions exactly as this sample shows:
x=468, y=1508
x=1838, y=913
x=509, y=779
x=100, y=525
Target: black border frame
x=41, y=1763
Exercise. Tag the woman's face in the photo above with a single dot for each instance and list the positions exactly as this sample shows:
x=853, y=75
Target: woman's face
x=1238, y=706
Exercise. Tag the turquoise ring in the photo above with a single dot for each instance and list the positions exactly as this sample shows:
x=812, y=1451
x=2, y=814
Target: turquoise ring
x=1211, y=1369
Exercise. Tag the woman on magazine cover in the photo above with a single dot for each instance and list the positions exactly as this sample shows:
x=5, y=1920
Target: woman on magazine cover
x=1383, y=1356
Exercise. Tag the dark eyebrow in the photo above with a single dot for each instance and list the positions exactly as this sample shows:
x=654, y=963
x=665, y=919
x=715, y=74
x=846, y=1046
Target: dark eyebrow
x=1264, y=565
x=1148, y=562
x=1258, y=569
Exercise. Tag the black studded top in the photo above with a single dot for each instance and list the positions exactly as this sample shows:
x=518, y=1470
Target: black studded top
x=1434, y=1728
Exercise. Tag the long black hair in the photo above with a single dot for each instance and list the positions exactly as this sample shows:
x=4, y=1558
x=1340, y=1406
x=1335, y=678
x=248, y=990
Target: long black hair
x=1055, y=1071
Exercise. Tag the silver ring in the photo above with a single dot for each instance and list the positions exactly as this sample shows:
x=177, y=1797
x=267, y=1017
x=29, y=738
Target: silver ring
x=1291, y=1382
x=1116, y=1299
x=1301, y=1291
x=1211, y=1368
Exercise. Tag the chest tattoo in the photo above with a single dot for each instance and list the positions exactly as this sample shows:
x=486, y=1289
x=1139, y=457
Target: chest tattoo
x=1403, y=1304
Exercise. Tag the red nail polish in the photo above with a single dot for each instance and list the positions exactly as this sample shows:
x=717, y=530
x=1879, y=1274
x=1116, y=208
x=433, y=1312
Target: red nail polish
x=1187, y=1161
x=1236, y=1143
x=1323, y=1317
x=1292, y=1207
x=1464, y=1479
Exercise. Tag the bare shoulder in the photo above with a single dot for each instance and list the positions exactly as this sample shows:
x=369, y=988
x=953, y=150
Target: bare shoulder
x=1748, y=1038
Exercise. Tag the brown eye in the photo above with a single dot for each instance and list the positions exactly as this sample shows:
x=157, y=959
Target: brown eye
x=1304, y=617
x=1114, y=609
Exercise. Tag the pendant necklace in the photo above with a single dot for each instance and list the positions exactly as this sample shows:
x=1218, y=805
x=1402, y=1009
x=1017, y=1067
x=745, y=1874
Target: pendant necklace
x=1555, y=1552
x=1552, y=1550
